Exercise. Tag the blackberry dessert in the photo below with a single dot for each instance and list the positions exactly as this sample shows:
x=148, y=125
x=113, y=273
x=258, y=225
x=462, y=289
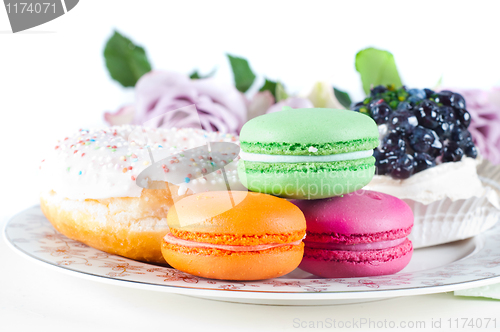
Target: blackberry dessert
x=419, y=129
x=427, y=157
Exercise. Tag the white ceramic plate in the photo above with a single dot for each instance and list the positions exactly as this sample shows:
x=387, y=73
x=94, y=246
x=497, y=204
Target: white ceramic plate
x=465, y=264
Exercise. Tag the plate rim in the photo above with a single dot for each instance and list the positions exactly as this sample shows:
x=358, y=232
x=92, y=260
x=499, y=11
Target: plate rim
x=248, y=294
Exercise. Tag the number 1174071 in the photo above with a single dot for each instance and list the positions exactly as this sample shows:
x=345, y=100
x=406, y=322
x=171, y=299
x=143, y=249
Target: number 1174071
x=37, y=8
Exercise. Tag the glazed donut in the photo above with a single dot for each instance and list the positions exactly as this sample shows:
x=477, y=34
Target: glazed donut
x=89, y=191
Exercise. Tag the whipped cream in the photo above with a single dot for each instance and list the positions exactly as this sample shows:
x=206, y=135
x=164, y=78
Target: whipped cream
x=273, y=158
x=453, y=180
x=97, y=164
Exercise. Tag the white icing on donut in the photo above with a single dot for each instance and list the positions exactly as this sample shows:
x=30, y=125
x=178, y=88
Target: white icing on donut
x=105, y=163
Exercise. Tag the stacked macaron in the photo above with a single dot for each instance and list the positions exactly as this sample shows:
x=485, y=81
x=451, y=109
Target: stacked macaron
x=308, y=153
x=322, y=158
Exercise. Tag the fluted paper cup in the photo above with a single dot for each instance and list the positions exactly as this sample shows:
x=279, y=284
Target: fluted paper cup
x=446, y=221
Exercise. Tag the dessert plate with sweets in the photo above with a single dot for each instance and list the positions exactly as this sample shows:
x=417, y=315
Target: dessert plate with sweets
x=113, y=218
x=459, y=265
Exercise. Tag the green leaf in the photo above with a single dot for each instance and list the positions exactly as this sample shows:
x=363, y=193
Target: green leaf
x=280, y=92
x=269, y=86
x=377, y=67
x=242, y=73
x=126, y=62
x=196, y=75
x=342, y=97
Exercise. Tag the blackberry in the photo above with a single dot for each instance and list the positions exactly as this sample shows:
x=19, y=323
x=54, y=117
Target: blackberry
x=380, y=111
x=402, y=122
x=444, y=97
x=378, y=90
x=425, y=127
x=427, y=114
x=463, y=116
x=403, y=167
x=423, y=161
x=446, y=121
x=452, y=152
x=429, y=93
x=422, y=139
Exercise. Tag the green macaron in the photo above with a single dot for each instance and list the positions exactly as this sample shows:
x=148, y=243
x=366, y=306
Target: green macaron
x=308, y=153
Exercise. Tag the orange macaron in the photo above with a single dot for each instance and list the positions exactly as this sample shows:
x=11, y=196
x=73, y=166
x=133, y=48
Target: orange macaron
x=234, y=235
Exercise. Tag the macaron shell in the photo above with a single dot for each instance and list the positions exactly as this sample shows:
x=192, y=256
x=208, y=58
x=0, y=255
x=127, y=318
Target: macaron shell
x=360, y=212
x=254, y=214
x=349, y=264
x=224, y=265
x=306, y=182
x=310, y=125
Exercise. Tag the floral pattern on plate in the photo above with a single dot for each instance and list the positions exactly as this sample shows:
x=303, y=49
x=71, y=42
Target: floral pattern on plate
x=32, y=234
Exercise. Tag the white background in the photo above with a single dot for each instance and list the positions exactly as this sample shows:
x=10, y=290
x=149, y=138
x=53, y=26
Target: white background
x=53, y=81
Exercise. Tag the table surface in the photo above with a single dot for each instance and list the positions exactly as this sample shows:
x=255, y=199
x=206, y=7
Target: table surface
x=34, y=297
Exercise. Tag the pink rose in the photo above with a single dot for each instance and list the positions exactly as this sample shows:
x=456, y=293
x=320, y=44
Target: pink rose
x=220, y=106
x=259, y=104
x=484, y=109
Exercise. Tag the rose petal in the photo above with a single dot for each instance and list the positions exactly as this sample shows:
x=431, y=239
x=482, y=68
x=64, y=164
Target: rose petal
x=259, y=104
x=219, y=106
x=123, y=116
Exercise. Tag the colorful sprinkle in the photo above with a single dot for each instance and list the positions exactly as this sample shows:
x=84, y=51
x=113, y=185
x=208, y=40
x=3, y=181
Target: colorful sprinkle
x=124, y=170
x=187, y=180
x=133, y=178
x=145, y=162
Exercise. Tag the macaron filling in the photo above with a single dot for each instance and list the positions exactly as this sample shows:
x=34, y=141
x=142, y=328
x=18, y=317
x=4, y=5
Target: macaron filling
x=272, y=158
x=356, y=239
x=171, y=239
x=355, y=247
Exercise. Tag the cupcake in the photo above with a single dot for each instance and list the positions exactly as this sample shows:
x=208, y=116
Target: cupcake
x=427, y=158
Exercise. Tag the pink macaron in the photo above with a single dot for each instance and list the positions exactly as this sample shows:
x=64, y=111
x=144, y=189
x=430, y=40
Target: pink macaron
x=360, y=234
